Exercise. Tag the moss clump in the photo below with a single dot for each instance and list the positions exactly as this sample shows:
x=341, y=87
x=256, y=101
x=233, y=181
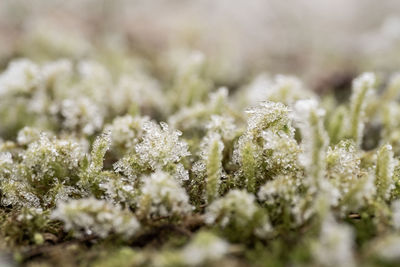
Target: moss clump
x=119, y=162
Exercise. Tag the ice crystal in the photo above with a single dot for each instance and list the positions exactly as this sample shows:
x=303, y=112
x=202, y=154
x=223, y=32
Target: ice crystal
x=162, y=196
x=82, y=114
x=160, y=147
x=269, y=115
x=80, y=139
x=126, y=132
x=343, y=168
x=47, y=165
x=238, y=210
x=268, y=147
x=100, y=147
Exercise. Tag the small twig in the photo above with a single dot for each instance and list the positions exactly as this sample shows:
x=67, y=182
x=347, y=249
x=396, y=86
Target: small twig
x=354, y=216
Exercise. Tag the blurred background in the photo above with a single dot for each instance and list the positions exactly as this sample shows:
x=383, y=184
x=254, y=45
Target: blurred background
x=318, y=41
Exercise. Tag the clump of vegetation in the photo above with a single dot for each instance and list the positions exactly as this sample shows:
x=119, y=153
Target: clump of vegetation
x=131, y=162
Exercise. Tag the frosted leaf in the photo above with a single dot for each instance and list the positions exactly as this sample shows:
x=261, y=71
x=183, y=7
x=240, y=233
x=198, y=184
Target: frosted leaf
x=119, y=190
x=238, y=209
x=269, y=115
x=17, y=194
x=196, y=118
x=126, y=131
x=384, y=171
x=343, y=166
x=5, y=158
x=127, y=167
x=98, y=217
x=236, y=205
x=82, y=114
x=100, y=146
x=48, y=160
x=343, y=160
x=160, y=145
x=222, y=125
x=161, y=196
x=211, y=154
x=281, y=188
x=181, y=173
x=283, y=151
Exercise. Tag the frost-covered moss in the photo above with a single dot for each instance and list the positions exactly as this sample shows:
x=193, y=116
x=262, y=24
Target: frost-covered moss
x=121, y=162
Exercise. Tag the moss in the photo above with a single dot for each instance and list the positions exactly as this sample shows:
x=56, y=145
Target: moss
x=109, y=161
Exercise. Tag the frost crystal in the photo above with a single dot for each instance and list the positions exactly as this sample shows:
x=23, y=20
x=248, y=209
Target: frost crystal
x=5, y=158
x=126, y=132
x=47, y=166
x=91, y=216
x=344, y=172
x=238, y=210
x=100, y=147
x=82, y=114
x=160, y=147
x=162, y=196
x=268, y=147
x=268, y=115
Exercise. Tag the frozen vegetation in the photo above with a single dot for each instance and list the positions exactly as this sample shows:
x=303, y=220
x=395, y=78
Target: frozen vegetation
x=133, y=172
x=114, y=155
